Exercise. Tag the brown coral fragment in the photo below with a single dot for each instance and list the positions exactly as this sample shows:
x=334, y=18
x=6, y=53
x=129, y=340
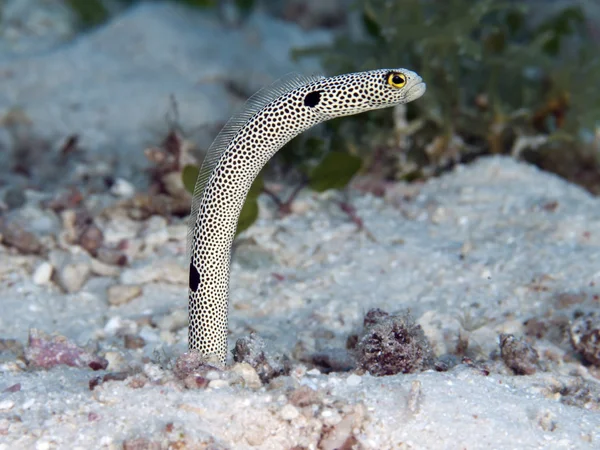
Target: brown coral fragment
x=517, y=354
x=192, y=369
x=121, y=294
x=585, y=337
x=44, y=352
x=14, y=235
x=251, y=350
x=392, y=344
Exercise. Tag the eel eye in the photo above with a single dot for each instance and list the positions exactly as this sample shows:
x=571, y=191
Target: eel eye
x=396, y=79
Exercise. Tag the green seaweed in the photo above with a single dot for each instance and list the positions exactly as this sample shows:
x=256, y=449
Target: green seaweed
x=250, y=210
x=334, y=172
x=189, y=175
x=493, y=76
x=89, y=13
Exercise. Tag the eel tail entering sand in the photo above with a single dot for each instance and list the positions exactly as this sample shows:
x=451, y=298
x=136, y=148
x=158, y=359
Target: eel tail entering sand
x=270, y=118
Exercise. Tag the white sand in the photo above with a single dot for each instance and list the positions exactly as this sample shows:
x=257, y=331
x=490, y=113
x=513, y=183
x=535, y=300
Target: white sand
x=520, y=258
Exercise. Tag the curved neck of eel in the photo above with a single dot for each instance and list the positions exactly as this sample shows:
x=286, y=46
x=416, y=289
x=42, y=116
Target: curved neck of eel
x=214, y=231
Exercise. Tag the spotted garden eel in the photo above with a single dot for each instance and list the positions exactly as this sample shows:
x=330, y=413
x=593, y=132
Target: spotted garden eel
x=270, y=118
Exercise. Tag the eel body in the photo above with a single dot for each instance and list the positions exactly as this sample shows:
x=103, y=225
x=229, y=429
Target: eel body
x=269, y=120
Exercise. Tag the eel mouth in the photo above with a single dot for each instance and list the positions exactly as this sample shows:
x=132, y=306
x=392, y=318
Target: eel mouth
x=416, y=91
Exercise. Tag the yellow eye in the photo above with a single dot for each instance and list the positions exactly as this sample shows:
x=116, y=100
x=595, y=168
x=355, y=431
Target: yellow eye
x=396, y=79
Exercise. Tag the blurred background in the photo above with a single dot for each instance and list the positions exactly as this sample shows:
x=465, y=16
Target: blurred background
x=126, y=95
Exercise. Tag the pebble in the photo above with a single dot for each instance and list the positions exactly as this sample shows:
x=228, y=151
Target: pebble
x=218, y=384
x=5, y=405
x=156, y=234
x=120, y=294
x=14, y=235
x=289, y=412
x=11, y=366
x=102, y=269
x=248, y=374
x=213, y=375
x=122, y=188
x=72, y=277
x=353, y=380
x=132, y=342
x=71, y=272
x=326, y=413
x=116, y=361
x=43, y=273
x=120, y=228
x=69, y=227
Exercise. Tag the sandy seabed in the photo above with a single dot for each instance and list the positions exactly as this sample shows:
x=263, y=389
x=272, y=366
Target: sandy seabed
x=495, y=247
